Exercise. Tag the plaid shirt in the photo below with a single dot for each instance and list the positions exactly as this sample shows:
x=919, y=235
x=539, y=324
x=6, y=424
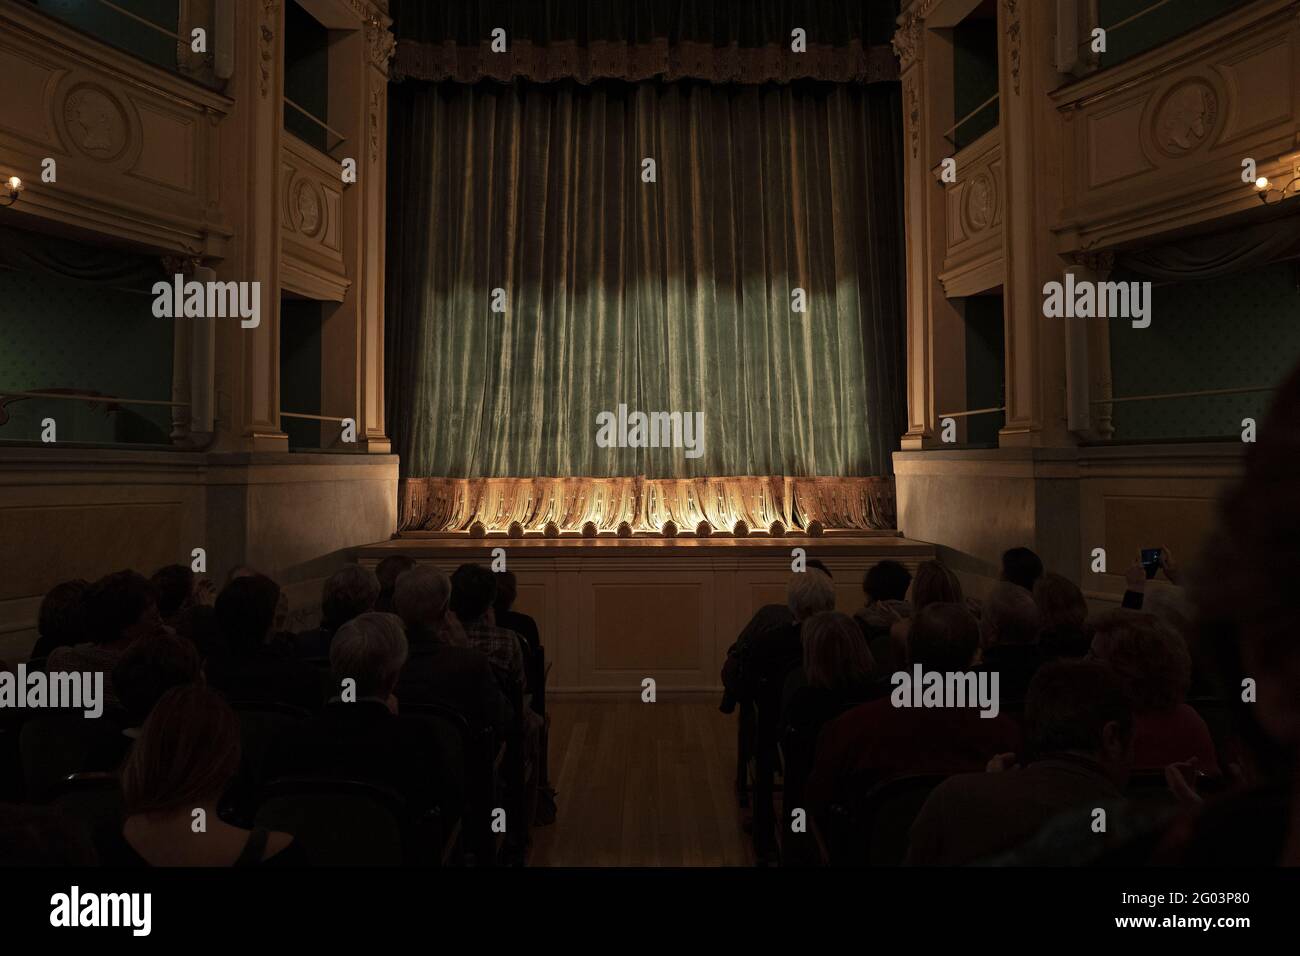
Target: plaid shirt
x=502, y=648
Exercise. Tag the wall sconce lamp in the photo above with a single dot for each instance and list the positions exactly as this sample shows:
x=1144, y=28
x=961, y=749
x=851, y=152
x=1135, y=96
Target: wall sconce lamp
x=1270, y=193
x=12, y=187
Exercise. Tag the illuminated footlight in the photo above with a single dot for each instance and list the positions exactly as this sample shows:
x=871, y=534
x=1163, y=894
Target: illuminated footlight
x=478, y=530
x=552, y=530
x=589, y=529
x=624, y=529
x=776, y=529
x=815, y=528
x=669, y=530
x=740, y=529
x=516, y=530
x=703, y=529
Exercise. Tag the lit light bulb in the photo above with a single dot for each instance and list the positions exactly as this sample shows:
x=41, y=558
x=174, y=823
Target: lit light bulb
x=1262, y=183
x=15, y=184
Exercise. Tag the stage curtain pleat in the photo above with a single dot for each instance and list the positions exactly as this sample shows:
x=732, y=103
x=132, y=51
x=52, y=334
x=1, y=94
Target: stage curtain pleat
x=673, y=295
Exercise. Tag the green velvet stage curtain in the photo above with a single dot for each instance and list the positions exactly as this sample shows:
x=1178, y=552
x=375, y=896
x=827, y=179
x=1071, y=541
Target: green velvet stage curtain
x=672, y=295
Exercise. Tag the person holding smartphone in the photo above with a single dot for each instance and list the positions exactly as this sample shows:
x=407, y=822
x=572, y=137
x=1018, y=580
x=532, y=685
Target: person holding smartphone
x=1144, y=569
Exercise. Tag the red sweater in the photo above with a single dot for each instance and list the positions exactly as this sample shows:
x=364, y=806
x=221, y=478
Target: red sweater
x=878, y=738
x=1171, y=737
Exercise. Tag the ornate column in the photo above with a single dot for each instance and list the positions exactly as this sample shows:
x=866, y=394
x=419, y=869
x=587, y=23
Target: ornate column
x=352, y=373
x=936, y=369
x=248, y=369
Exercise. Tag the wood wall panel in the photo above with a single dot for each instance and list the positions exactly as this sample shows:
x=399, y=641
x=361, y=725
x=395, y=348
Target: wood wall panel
x=610, y=616
x=136, y=535
x=648, y=626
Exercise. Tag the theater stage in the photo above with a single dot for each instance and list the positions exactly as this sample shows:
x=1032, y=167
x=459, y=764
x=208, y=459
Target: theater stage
x=613, y=611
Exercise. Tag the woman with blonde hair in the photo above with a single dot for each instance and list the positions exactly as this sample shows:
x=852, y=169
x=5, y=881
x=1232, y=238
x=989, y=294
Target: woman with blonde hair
x=181, y=765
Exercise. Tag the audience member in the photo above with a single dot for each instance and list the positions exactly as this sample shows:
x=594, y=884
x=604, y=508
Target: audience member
x=933, y=584
x=147, y=669
x=766, y=657
x=1009, y=626
x=1079, y=742
x=359, y=734
x=510, y=619
x=766, y=618
x=1248, y=617
x=885, y=587
x=1154, y=665
x=120, y=608
x=61, y=621
x=387, y=573
x=877, y=740
x=253, y=669
x=837, y=673
x=1169, y=605
x=1022, y=567
x=183, y=761
x=473, y=589
x=350, y=591
x=179, y=589
x=440, y=666
x=1062, y=612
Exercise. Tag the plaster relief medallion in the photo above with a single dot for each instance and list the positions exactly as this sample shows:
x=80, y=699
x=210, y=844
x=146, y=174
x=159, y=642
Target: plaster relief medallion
x=307, y=208
x=980, y=202
x=1186, y=117
x=96, y=122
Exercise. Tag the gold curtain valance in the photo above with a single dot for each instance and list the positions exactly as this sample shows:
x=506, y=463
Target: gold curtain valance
x=453, y=504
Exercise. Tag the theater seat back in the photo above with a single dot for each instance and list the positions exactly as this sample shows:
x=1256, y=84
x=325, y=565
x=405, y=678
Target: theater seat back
x=337, y=822
x=875, y=829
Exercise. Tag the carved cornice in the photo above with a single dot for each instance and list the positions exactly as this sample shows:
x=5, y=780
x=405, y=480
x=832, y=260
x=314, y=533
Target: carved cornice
x=1102, y=262
x=907, y=41
x=910, y=38
x=1012, y=8
x=380, y=42
x=266, y=41
x=180, y=265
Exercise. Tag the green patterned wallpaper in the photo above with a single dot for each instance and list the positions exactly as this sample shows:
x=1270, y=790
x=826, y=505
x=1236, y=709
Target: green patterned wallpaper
x=1229, y=333
x=60, y=334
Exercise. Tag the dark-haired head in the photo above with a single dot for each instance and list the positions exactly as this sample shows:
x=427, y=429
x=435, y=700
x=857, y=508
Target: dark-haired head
x=1021, y=566
x=62, y=618
x=174, y=585
x=245, y=612
x=121, y=607
x=1079, y=707
x=149, y=668
x=820, y=565
x=388, y=571
x=349, y=591
x=507, y=592
x=473, y=589
x=944, y=637
x=886, y=581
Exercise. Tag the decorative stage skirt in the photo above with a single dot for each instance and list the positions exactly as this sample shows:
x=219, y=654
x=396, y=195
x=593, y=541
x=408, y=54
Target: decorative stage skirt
x=646, y=505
